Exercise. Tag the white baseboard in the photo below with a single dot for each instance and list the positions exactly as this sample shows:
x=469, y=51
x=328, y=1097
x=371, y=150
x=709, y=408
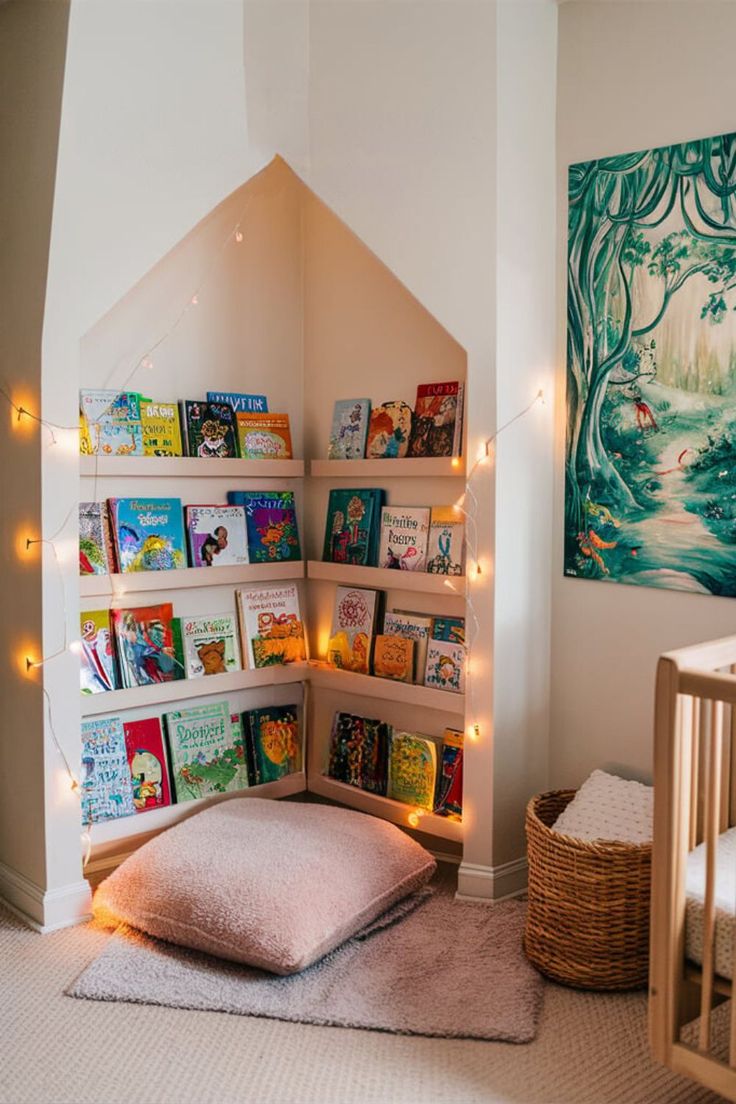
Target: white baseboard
x=44, y=910
x=491, y=883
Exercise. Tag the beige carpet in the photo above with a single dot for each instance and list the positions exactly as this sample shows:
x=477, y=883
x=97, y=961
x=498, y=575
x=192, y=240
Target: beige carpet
x=54, y=1050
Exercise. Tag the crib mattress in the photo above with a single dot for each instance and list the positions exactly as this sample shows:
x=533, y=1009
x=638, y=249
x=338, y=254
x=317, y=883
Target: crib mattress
x=725, y=940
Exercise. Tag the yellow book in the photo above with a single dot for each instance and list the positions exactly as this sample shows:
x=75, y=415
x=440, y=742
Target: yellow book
x=393, y=658
x=161, y=429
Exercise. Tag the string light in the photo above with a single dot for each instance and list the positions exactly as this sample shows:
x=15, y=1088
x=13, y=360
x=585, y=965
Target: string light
x=238, y=235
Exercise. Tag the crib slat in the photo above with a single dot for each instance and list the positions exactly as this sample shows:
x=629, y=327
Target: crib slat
x=712, y=737
x=691, y=716
x=732, y=803
x=726, y=769
x=701, y=772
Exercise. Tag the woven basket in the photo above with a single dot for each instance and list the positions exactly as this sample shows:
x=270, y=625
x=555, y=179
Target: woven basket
x=588, y=917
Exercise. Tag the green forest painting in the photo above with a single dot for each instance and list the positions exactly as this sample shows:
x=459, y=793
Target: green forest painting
x=651, y=368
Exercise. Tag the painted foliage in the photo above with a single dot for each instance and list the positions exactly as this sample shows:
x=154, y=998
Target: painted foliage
x=651, y=368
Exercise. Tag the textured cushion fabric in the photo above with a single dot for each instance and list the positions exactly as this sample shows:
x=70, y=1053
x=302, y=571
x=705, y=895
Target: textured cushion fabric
x=609, y=808
x=725, y=934
x=272, y=884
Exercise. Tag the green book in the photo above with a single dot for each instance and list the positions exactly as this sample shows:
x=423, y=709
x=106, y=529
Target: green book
x=412, y=769
x=206, y=752
x=276, y=740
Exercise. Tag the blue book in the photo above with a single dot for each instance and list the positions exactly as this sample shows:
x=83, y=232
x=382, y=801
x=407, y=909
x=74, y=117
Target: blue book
x=270, y=518
x=148, y=533
x=251, y=404
x=349, y=429
x=107, y=789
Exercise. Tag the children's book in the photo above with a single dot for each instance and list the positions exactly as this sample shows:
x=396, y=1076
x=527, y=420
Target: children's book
x=149, y=773
x=412, y=769
x=160, y=427
x=97, y=658
x=450, y=783
x=106, y=787
x=351, y=532
x=264, y=436
x=359, y=752
x=445, y=666
x=416, y=627
x=437, y=426
x=148, y=533
x=353, y=625
x=349, y=429
x=145, y=645
x=217, y=536
x=210, y=645
x=451, y=629
x=270, y=518
x=276, y=740
x=446, y=535
x=206, y=752
x=112, y=422
x=404, y=536
x=209, y=429
x=250, y=404
x=389, y=430
x=95, y=541
x=393, y=658
x=271, y=627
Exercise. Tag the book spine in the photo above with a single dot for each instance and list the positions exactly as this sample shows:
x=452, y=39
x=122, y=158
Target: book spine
x=457, y=444
x=184, y=427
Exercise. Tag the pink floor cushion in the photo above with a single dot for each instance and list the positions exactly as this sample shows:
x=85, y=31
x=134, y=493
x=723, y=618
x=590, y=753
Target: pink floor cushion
x=273, y=884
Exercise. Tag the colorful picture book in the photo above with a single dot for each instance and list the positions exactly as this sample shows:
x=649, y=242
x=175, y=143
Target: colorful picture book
x=437, y=426
x=264, y=436
x=451, y=629
x=97, y=668
x=209, y=429
x=412, y=769
x=446, y=538
x=271, y=627
x=274, y=739
x=106, y=789
x=349, y=429
x=160, y=428
x=249, y=403
x=393, y=658
x=352, y=528
x=450, y=782
x=148, y=533
x=145, y=645
x=413, y=626
x=353, y=625
x=96, y=555
x=404, y=537
x=210, y=645
x=110, y=422
x=206, y=751
x=217, y=536
x=270, y=518
x=445, y=666
x=359, y=752
x=389, y=430
x=147, y=763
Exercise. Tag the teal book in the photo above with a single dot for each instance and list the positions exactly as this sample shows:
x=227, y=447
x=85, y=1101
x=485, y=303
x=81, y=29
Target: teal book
x=206, y=751
x=270, y=518
x=148, y=533
x=248, y=404
x=107, y=790
x=276, y=742
x=353, y=526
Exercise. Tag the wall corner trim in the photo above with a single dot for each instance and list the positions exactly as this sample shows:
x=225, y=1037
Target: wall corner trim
x=44, y=910
x=491, y=883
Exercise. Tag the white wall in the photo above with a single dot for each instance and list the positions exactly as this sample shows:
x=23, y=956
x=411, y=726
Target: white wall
x=631, y=76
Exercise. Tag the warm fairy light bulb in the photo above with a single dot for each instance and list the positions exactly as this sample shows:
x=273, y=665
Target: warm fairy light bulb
x=194, y=300
x=238, y=235
x=456, y=462
x=414, y=818
x=147, y=362
x=76, y=647
x=478, y=569
x=75, y=787
x=473, y=732
x=32, y=664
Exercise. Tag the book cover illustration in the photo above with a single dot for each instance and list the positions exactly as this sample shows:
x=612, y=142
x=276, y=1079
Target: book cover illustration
x=445, y=666
x=111, y=423
x=349, y=430
x=393, y=658
x=210, y=429
x=206, y=752
x=404, y=536
x=250, y=404
x=95, y=541
x=97, y=672
x=264, y=436
x=451, y=629
x=145, y=645
x=450, y=783
x=217, y=535
x=353, y=626
x=412, y=770
x=437, y=426
x=351, y=531
x=389, y=430
x=148, y=533
x=106, y=789
x=276, y=742
x=270, y=518
x=416, y=627
x=160, y=428
x=271, y=624
x=446, y=536
x=359, y=752
x=149, y=775
x=210, y=645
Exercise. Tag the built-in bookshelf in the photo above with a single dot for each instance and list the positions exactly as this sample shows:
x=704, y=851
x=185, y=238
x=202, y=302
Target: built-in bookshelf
x=399, y=468
x=383, y=689
x=140, y=582
x=188, y=467
x=382, y=578
x=395, y=811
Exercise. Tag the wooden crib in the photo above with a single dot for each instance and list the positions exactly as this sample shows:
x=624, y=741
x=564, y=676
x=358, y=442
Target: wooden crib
x=694, y=802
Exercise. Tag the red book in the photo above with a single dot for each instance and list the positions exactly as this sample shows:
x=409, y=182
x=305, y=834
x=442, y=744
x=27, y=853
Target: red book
x=437, y=425
x=149, y=772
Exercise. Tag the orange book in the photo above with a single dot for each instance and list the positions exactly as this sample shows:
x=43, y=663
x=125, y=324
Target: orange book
x=394, y=658
x=263, y=436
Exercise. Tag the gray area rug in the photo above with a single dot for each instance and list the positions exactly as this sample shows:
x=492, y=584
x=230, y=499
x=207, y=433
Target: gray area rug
x=435, y=967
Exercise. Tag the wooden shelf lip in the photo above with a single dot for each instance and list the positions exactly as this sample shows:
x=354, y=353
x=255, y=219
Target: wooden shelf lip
x=395, y=811
x=115, y=701
x=387, y=579
x=138, y=582
x=369, y=686
x=189, y=466
x=425, y=467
